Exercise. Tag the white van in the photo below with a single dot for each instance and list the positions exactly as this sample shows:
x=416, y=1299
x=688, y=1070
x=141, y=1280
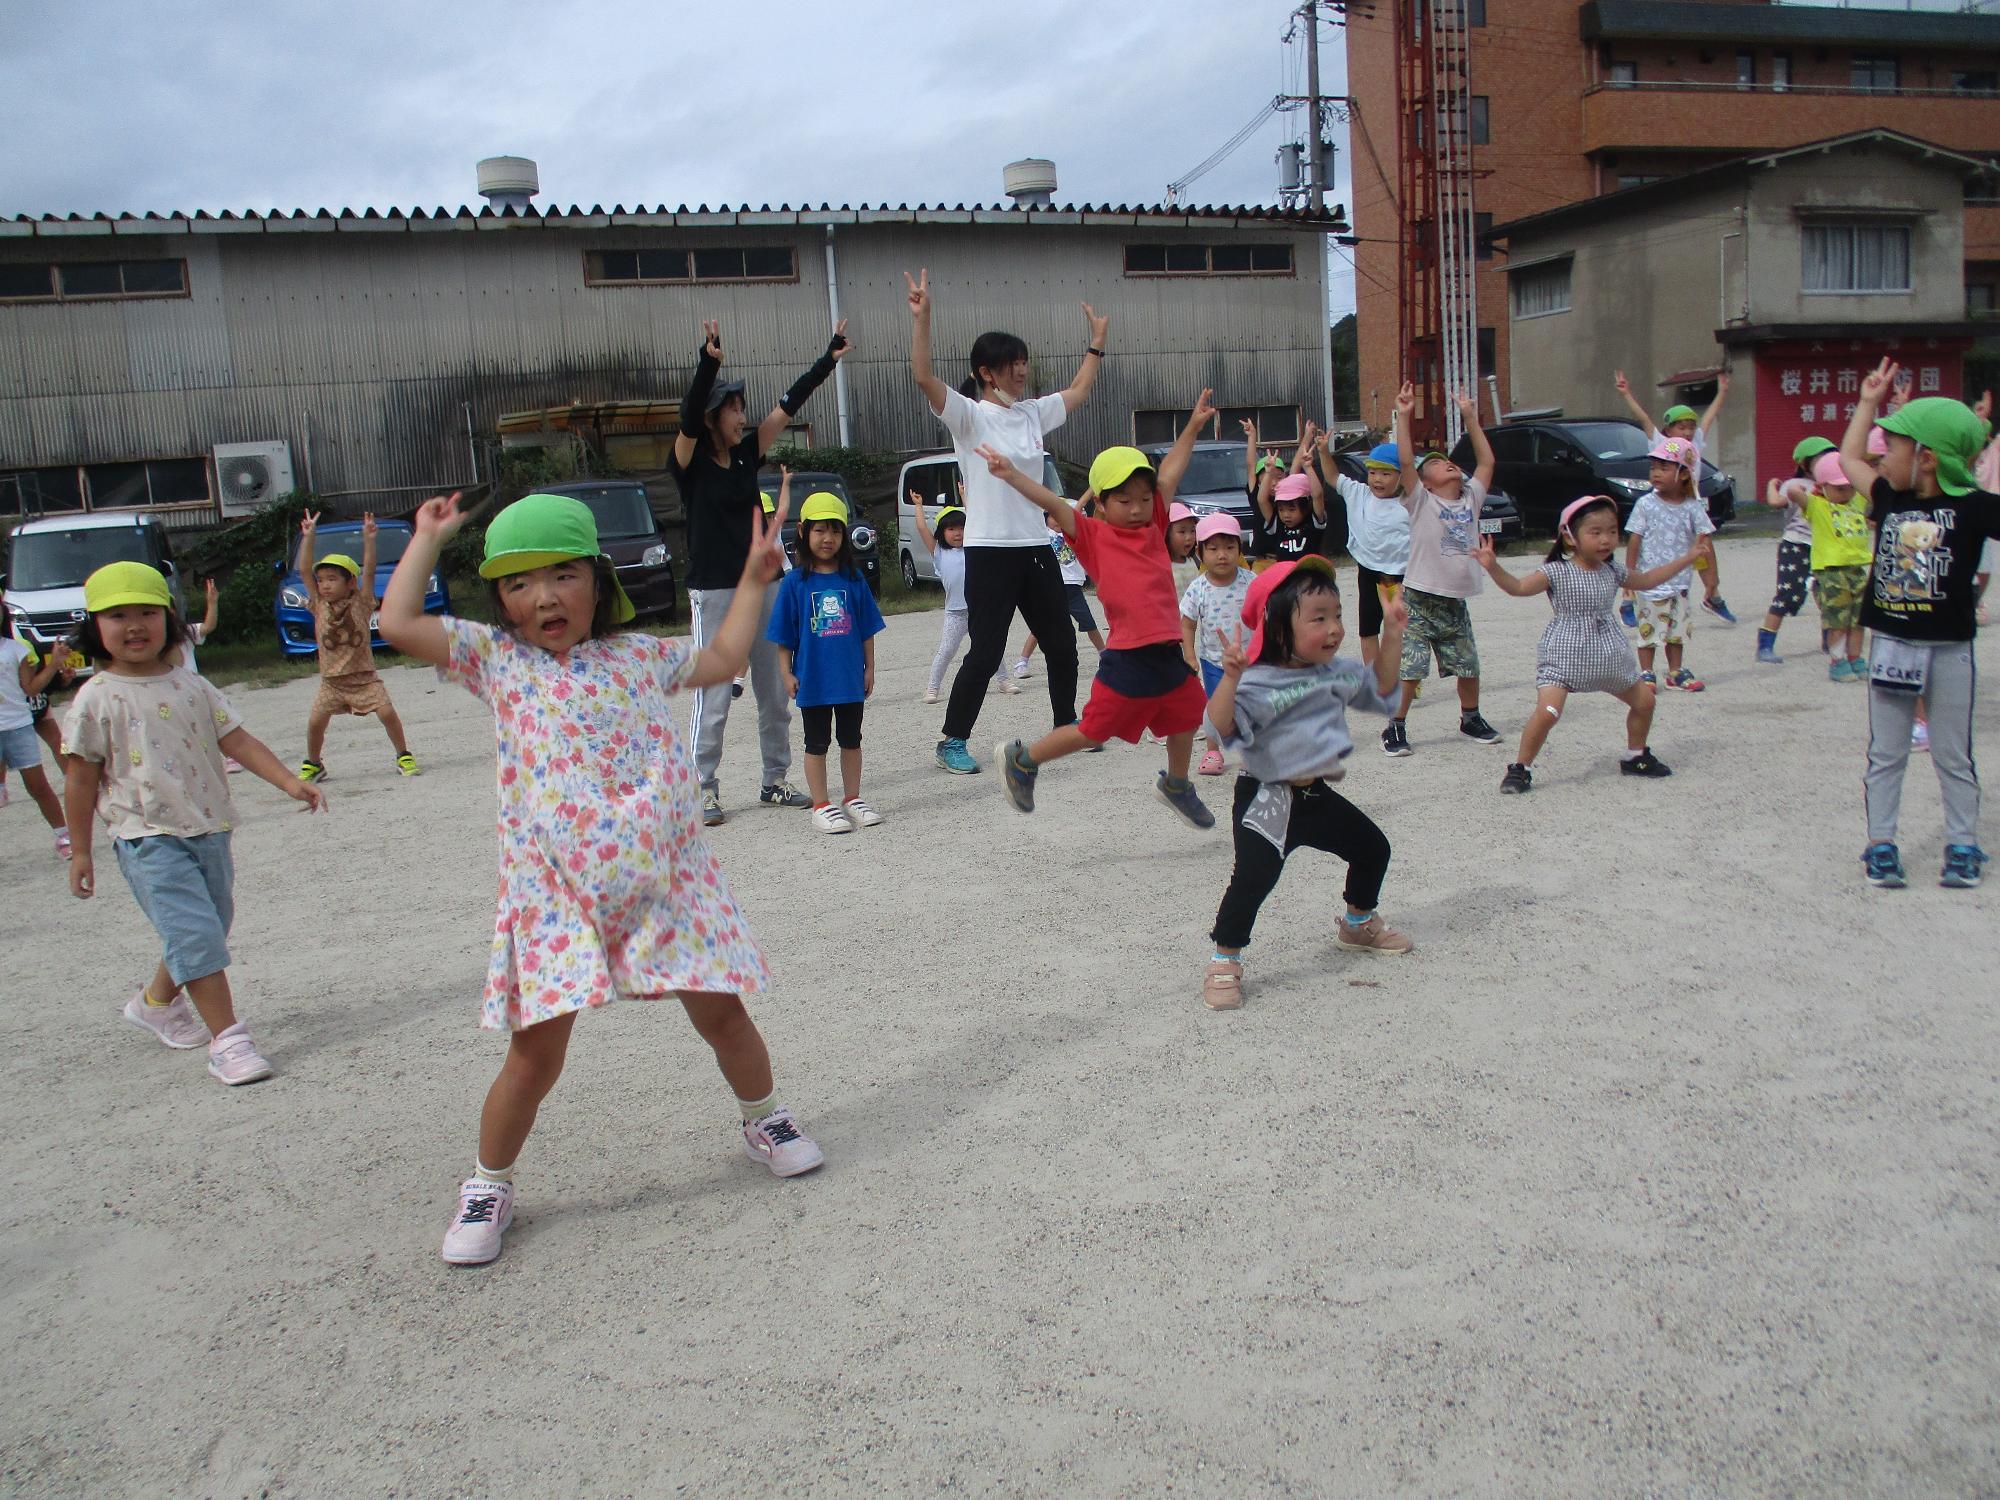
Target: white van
x=49, y=557
x=935, y=476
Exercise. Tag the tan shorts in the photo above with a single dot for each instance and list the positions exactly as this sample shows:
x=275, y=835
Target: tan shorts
x=355, y=693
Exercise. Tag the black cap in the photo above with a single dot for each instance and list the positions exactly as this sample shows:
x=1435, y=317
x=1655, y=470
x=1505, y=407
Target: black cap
x=721, y=392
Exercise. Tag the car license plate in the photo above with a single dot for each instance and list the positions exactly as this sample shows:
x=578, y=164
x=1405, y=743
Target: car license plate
x=375, y=622
x=76, y=661
x=1490, y=525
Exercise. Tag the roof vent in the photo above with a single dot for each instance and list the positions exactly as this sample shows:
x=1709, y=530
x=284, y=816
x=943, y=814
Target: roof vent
x=1030, y=182
x=508, y=182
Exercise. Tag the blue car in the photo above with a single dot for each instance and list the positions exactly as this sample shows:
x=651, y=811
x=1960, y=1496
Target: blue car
x=294, y=614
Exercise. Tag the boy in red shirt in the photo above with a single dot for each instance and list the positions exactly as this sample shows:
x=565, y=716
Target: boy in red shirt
x=1143, y=679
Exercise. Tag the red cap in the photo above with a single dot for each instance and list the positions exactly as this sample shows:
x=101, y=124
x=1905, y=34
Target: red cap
x=1260, y=593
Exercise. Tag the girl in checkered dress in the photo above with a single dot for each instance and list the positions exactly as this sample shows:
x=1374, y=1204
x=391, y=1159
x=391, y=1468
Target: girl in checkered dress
x=1583, y=650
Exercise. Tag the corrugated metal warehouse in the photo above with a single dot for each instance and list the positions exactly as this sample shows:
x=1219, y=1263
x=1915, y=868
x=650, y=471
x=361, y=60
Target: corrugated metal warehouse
x=372, y=346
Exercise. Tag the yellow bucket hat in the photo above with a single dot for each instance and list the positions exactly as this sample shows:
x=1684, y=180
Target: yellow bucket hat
x=126, y=583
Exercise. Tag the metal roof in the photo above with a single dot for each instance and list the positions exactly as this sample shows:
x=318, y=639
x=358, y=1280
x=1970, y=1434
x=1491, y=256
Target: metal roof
x=1611, y=205
x=1683, y=21
x=371, y=220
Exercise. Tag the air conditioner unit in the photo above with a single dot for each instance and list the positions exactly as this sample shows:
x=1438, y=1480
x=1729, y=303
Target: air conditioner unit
x=249, y=476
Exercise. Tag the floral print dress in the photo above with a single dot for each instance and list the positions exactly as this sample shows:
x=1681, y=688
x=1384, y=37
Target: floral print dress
x=607, y=886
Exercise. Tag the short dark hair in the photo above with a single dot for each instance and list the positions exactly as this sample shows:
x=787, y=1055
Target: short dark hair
x=1562, y=547
x=993, y=351
x=1283, y=604
x=601, y=623
x=844, y=561
x=88, y=639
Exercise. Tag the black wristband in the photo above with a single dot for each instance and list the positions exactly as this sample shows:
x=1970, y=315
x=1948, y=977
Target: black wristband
x=1098, y=352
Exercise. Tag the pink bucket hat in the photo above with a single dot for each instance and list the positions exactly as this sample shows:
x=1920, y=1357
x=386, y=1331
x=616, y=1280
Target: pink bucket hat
x=1673, y=450
x=1178, y=512
x=1878, y=443
x=1219, y=524
x=1827, y=470
x=1293, y=487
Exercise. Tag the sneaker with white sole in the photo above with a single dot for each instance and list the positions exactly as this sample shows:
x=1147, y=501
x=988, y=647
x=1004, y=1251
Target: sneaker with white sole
x=712, y=815
x=1007, y=683
x=830, y=819
x=859, y=813
x=783, y=794
x=1021, y=668
x=233, y=1058
x=779, y=1144
x=1920, y=737
x=1017, y=776
x=1396, y=739
x=1184, y=800
x=930, y=695
x=177, y=1025
x=1372, y=936
x=485, y=1209
x=65, y=850
x=1473, y=726
x=955, y=758
x=406, y=765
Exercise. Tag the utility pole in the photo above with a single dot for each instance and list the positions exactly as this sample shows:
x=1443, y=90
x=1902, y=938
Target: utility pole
x=1315, y=152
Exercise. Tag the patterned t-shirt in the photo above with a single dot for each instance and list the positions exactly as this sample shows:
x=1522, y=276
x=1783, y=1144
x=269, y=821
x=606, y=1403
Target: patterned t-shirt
x=1217, y=612
x=159, y=741
x=344, y=634
x=1666, y=530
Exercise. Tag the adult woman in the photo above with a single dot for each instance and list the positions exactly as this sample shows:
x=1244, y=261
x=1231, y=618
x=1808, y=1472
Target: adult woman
x=715, y=462
x=1009, y=564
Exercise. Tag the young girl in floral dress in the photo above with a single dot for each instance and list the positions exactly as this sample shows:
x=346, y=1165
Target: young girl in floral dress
x=608, y=888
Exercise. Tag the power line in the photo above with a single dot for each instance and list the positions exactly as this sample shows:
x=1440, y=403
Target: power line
x=1225, y=150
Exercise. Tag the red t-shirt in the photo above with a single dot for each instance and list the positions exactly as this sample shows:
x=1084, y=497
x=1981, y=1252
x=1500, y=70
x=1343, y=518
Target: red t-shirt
x=1134, y=577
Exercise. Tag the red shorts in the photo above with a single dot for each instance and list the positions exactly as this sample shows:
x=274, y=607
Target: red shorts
x=1110, y=715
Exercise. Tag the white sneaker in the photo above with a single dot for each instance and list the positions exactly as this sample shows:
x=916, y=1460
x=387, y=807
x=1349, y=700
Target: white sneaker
x=233, y=1058
x=859, y=813
x=65, y=850
x=1021, y=668
x=930, y=696
x=1008, y=684
x=779, y=1144
x=485, y=1209
x=830, y=819
x=177, y=1025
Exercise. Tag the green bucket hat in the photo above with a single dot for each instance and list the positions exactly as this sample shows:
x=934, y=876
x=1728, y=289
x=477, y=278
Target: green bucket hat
x=538, y=530
x=1950, y=429
x=1810, y=449
x=1675, y=414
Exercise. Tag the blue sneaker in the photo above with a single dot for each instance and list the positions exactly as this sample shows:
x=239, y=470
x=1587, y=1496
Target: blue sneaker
x=1716, y=605
x=1838, y=672
x=1884, y=867
x=1182, y=799
x=955, y=758
x=1768, y=655
x=1961, y=866
x=1629, y=615
x=1017, y=777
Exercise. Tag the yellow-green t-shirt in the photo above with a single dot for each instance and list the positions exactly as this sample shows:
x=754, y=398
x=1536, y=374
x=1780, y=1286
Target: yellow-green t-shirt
x=1839, y=532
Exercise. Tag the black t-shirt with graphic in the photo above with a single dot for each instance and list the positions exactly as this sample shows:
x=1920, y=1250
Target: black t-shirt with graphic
x=1926, y=553
x=1283, y=543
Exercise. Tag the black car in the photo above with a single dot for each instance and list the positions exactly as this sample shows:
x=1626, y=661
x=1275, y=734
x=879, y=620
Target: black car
x=1546, y=464
x=632, y=539
x=808, y=482
x=1213, y=483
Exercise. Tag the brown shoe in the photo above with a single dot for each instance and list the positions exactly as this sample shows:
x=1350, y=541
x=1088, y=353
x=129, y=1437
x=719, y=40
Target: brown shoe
x=1373, y=936
x=1222, y=985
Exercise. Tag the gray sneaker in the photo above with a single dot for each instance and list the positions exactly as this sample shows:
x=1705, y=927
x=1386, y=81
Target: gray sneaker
x=1182, y=799
x=783, y=794
x=711, y=806
x=1017, y=780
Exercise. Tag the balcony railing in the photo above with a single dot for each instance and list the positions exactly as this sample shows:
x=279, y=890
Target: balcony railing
x=1710, y=86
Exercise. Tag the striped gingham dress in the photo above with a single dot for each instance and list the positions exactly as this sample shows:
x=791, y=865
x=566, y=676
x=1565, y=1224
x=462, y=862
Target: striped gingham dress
x=1583, y=648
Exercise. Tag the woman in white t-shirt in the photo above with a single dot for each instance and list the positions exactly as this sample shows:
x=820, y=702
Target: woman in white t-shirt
x=1009, y=566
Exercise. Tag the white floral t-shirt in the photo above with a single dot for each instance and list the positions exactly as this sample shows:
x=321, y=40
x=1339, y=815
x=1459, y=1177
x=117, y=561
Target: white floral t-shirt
x=159, y=741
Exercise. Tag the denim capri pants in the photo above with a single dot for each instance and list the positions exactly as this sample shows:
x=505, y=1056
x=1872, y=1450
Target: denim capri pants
x=184, y=888
x=21, y=749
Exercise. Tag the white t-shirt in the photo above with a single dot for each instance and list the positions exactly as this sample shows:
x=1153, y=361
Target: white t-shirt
x=1666, y=530
x=950, y=565
x=996, y=514
x=1378, y=530
x=1442, y=535
x=1217, y=612
x=14, y=710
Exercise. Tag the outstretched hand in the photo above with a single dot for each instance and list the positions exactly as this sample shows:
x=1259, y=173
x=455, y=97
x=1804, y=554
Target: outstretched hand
x=711, y=342
x=1486, y=554
x=1406, y=398
x=309, y=523
x=1623, y=385
x=368, y=525
x=439, y=518
x=997, y=463
x=767, y=536
x=920, y=293
x=1203, y=412
x=1396, y=614
x=1234, y=655
x=1100, y=324
x=839, y=347
x=1878, y=381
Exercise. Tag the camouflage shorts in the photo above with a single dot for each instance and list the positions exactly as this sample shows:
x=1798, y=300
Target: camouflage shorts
x=1440, y=625
x=1841, y=591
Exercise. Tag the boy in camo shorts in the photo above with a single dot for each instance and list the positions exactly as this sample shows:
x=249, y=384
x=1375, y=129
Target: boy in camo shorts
x=343, y=614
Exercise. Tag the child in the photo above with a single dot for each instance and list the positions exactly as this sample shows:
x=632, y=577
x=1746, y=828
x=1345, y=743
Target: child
x=1289, y=531
x=1794, y=551
x=342, y=611
x=607, y=884
x=1143, y=682
x=1681, y=422
x=1663, y=525
x=146, y=740
x=24, y=676
x=1211, y=608
x=824, y=625
x=1443, y=506
x=1841, y=551
x=945, y=541
x=1074, y=577
x=1930, y=521
x=1182, y=524
x=1582, y=649
x=1378, y=536
x=1283, y=701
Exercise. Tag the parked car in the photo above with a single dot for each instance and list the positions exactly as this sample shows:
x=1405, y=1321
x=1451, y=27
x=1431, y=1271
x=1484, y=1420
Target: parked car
x=631, y=537
x=294, y=614
x=49, y=557
x=1546, y=464
x=935, y=476
x=1499, y=516
x=867, y=552
x=1213, y=483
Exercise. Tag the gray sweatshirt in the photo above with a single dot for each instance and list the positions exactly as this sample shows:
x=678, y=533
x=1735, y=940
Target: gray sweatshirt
x=1291, y=722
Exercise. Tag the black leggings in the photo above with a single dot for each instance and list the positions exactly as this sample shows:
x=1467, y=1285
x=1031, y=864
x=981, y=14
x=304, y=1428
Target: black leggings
x=824, y=722
x=1321, y=819
x=1371, y=601
x=999, y=581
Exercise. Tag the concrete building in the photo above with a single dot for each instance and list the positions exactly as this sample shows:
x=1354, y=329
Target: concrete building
x=1570, y=101
x=370, y=348
x=1805, y=266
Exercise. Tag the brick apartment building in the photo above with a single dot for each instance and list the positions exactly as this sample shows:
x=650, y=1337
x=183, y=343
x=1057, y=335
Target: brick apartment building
x=1570, y=101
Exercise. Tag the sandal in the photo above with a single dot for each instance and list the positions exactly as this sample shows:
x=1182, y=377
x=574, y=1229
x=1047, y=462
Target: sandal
x=1222, y=985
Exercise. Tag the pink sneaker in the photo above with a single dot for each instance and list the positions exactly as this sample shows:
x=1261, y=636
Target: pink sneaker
x=233, y=1058
x=177, y=1025
x=64, y=848
x=485, y=1209
x=1211, y=763
x=779, y=1144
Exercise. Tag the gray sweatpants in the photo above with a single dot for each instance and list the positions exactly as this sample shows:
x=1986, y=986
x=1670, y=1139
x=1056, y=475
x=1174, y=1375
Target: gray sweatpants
x=1948, y=690
x=706, y=607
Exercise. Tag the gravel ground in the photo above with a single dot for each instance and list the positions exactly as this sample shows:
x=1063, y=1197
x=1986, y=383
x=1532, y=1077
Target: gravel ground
x=1665, y=1166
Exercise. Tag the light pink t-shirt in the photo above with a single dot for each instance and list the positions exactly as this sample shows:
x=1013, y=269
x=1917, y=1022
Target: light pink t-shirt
x=1442, y=535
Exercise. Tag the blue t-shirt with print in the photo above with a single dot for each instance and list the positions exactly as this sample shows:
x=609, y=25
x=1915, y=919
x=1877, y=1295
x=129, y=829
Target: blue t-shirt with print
x=822, y=619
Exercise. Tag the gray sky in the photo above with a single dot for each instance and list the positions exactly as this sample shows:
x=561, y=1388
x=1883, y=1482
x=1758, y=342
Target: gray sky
x=213, y=104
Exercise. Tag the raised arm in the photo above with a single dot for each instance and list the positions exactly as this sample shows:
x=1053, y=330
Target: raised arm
x=694, y=404
x=1093, y=360
x=1001, y=467
x=1249, y=455
x=369, y=553
x=404, y=624
x=1488, y=557
x=308, y=529
x=36, y=675
x=1309, y=451
x=1482, y=451
x=773, y=426
x=920, y=341
x=1261, y=496
x=729, y=653
x=1714, y=407
x=1652, y=578
x=1639, y=413
x=212, y=616
x=1406, y=450
x=1173, y=467
x=923, y=526
x=1876, y=384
